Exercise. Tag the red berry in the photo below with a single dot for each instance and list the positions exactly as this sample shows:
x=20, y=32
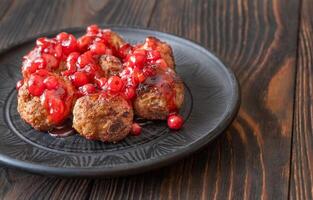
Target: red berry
x=108, y=52
x=130, y=93
x=72, y=57
x=56, y=109
x=124, y=50
x=153, y=55
x=84, y=41
x=62, y=36
x=71, y=62
x=40, y=63
x=67, y=73
x=79, y=79
x=51, y=61
x=140, y=52
x=101, y=81
x=85, y=59
x=137, y=60
x=68, y=42
x=136, y=129
x=31, y=67
x=99, y=39
x=162, y=64
x=148, y=71
x=140, y=77
x=126, y=72
x=56, y=51
x=35, y=85
x=61, y=92
x=19, y=84
x=151, y=42
x=92, y=70
x=51, y=82
x=137, y=76
x=175, y=122
x=44, y=42
x=98, y=48
x=115, y=84
x=27, y=66
x=87, y=89
x=93, y=29
x=42, y=72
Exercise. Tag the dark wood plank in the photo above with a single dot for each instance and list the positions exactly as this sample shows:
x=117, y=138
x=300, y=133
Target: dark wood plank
x=302, y=148
x=5, y=6
x=20, y=185
x=23, y=18
x=258, y=39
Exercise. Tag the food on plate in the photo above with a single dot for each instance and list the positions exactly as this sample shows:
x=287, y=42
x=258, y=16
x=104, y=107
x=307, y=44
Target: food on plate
x=111, y=65
x=99, y=82
x=159, y=95
x=103, y=117
x=45, y=100
x=164, y=49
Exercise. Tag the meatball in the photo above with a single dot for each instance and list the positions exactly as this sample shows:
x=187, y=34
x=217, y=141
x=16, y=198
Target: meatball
x=116, y=40
x=32, y=108
x=32, y=111
x=111, y=65
x=158, y=96
x=101, y=117
x=164, y=49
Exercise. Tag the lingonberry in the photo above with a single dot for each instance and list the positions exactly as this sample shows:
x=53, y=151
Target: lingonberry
x=175, y=122
x=51, y=82
x=79, y=79
x=35, y=85
x=87, y=89
x=136, y=129
x=115, y=84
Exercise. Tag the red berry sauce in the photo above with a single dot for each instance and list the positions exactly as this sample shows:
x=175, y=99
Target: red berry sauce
x=77, y=59
x=55, y=95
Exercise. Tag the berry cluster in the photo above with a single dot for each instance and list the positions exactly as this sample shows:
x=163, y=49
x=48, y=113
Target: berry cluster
x=78, y=61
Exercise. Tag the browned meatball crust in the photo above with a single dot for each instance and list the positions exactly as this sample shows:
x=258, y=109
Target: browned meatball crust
x=101, y=118
x=116, y=40
x=154, y=102
x=164, y=49
x=32, y=111
x=111, y=65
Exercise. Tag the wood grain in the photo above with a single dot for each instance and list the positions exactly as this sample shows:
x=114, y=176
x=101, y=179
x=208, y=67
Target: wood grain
x=258, y=39
x=20, y=19
x=302, y=152
x=24, y=18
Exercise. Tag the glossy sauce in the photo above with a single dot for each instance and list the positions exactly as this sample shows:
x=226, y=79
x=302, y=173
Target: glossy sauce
x=63, y=130
x=143, y=68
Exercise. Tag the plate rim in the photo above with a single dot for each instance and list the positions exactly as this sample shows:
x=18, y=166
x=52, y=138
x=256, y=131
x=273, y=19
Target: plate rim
x=145, y=165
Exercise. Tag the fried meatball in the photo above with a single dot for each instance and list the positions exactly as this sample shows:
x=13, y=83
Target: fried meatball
x=158, y=96
x=111, y=65
x=104, y=118
x=115, y=40
x=164, y=49
x=34, y=112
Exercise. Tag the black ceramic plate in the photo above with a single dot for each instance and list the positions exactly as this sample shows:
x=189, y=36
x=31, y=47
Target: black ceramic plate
x=211, y=102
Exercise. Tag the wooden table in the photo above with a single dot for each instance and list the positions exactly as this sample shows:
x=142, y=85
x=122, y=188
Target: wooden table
x=266, y=153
